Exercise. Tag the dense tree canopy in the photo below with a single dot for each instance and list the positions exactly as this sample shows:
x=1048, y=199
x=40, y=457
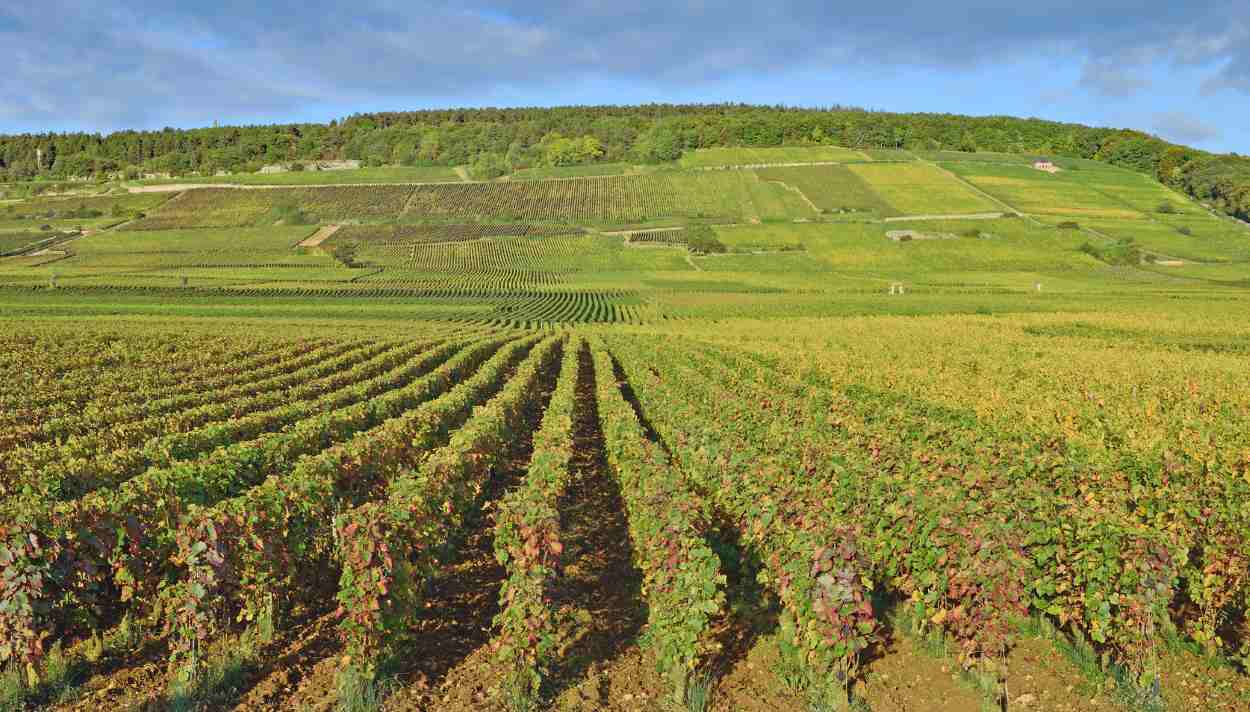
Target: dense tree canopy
x=522, y=137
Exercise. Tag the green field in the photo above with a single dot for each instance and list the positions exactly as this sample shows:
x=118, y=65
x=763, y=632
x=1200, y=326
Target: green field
x=1209, y=240
x=746, y=156
x=751, y=238
x=15, y=240
x=914, y=189
x=91, y=210
x=1008, y=246
x=830, y=188
x=594, y=169
x=236, y=207
x=1067, y=193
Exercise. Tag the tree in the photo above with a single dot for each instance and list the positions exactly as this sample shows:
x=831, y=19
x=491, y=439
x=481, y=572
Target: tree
x=488, y=166
x=589, y=149
x=431, y=146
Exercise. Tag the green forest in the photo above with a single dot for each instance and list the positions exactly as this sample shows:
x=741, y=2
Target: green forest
x=495, y=141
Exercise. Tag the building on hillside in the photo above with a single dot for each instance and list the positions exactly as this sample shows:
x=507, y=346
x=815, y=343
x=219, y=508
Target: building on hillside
x=1047, y=166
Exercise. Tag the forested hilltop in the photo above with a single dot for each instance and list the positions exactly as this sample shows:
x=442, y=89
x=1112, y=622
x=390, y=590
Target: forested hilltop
x=495, y=141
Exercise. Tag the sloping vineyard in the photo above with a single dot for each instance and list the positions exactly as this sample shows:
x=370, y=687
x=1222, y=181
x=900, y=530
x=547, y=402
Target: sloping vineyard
x=565, y=254
x=234, y=207
x=615, y=198
x=433, y=233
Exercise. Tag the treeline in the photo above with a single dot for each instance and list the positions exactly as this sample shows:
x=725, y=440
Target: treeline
x=495, y=141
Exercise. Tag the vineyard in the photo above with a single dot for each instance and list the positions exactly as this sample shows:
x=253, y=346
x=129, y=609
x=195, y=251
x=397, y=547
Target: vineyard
x=849, y=435
x=199, y=489
x=234, y=207
x=405, y=234
x=830, y=188
x=619, y=198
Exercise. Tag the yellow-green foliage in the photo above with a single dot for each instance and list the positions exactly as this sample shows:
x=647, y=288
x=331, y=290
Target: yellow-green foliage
x=238, y=207
x=549, y=256
x=1209, y=239
x=745, y=156
x=122, y=203
x=920, y=189
x=1067, y=193
x=379, y=174
x=830, y=188
x=736, y=194
x=751, y=238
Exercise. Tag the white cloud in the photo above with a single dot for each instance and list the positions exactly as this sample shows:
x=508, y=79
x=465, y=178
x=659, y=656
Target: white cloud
x=145, y=63
x=1182, y=128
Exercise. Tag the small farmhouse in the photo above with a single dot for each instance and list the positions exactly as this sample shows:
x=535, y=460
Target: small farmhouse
x=1047, y=166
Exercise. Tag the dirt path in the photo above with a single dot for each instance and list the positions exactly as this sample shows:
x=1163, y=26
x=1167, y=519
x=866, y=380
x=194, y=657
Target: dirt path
x=965, y=216
x=792, y=164
x=319, y=236
x=176, y=187
x=648, y=231
x=794, y=189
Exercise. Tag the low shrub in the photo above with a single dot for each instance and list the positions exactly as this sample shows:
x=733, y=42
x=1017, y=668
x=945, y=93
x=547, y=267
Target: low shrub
x=702, y=239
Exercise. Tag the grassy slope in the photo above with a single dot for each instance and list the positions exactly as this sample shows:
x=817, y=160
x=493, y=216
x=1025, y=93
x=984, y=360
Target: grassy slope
x=739, y=156
x=830, y=188
x=917, y=189
x=594, y=169
x=1068, y=193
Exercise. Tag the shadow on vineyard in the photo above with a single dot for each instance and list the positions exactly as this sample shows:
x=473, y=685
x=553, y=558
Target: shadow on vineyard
x=627, y=392
x=462, y=600
x=599, y=596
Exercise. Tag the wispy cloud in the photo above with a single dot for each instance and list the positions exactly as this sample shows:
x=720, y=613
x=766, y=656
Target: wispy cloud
x=1184, y=128
x=1111, y=80
x=147, y=63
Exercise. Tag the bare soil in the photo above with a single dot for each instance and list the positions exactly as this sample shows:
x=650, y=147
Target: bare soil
x=319, y=236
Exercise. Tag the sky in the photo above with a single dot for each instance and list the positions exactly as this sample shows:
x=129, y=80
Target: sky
x=1178, y=70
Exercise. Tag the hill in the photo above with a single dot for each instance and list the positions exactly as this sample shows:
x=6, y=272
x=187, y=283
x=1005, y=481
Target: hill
x=806, y=235
x=494, y=141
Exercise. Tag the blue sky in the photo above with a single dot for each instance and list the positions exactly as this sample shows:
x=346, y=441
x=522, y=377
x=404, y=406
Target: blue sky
x=1180, y=70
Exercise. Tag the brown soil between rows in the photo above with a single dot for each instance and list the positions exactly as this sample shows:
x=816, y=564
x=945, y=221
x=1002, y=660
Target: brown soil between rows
x=125, y=680
x=458, y=610
x=597, y=598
